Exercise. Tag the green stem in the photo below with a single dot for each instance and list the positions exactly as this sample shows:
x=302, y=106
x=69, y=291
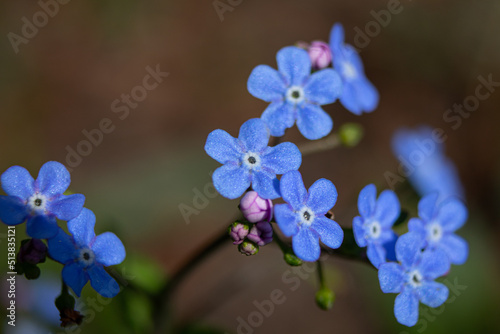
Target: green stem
x=321, y=278
x=162, y=318
x=325, y=144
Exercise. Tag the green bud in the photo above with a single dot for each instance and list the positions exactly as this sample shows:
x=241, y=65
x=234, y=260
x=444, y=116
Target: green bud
x=65, y=301
x=325, y=298
x=292, y=260
x=351, y=134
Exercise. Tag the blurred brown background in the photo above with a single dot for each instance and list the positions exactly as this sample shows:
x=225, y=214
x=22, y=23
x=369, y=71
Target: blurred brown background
x=64, y=79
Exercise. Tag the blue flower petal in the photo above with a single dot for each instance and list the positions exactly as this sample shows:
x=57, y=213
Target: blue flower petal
x=391, y=277
x=408, y=248
x=387, y=209
x=417, y=225
x=108, y=249
x=17, y=181
x=266, y=185
x=222, y=147
x=102, y=282
x=286, y=219
x=231, y=180
x=406, y=307
x=349, y=98
x=390, y=247
x=433, y=294
x=330, y=232
x=293, y=190
x=305, y=245
x=366, y=200
x=254, y=135
x=294, y=64
x=452, y=214
x=323, y=87
x=359, y=231
x=434, y=264
x=61, y=248
x=67, y=207
x=313, y=122
x=368, y=95
x=336, y=38
x=427, y=206
x=322, y=196
x=266, y=83
x=282, y=158
x=351, y=57
x=456, y=248
x=13, y=211
x=82, y=228
x=376, y=254
x=279, y=116
x=53, y=179
x=42, y=227
x=75, y=277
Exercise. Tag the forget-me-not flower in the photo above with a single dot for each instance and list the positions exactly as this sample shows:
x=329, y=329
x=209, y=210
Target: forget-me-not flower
x=413, y=278
x=437, y=223
x=358, y=93
x=247, y=160
x=85, y=255
x=295, y=94
x=421, y=153
x=303, y=216
x=373, y=228
x=38, y=201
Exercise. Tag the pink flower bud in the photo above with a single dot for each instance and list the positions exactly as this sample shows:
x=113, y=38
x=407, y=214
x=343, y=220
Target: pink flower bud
x=248, y=248
x=256, y=209
x=261, y=233
x=238, y=231
x=320, y=55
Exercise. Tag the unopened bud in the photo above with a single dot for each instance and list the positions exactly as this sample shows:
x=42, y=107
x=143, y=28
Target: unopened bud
x=320, y=55
x=261, y=233
x=351, y=134
x=248, y=248
x=238, y=232
x=292, y=260
x=32, y=251
x=256, y=209
x=325, y=298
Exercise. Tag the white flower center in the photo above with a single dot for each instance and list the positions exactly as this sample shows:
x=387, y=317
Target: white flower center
x=435, y=232
x=38, y=203
x=295, y=94
x=374, y=230
x=306, y=216
x=415, y=278
x=251, y=160
x=349, y=71
x=86, y=257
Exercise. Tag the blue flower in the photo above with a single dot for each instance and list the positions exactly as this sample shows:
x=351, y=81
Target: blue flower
x=40, y=201
x=249, y=161
x=437, y=224
x=303, y=217
x=85, y=255
x=413, y=278
x=358, y=93
x=373, y=229
x=422, y=158
x=295, y=94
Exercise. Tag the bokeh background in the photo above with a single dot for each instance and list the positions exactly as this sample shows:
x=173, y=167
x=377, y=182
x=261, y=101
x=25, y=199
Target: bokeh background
x=63, y=80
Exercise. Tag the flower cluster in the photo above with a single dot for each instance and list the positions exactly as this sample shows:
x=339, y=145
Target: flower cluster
x=304, y=82
x=296, y=92
x=408, y=265
x=40, y=203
